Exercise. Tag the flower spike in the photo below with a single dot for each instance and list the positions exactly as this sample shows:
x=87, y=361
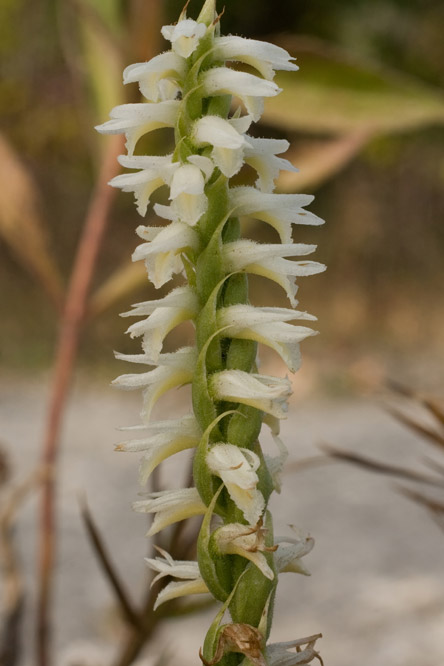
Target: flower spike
x=199, y=91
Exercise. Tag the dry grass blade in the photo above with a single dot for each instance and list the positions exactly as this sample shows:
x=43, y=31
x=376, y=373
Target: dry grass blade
x=104, y=559
x=431, y=504
x=21, y=224
x=433, y=464
x=13, y=595
x=429, y=433
x=434, y=507
x=321, y=160
x=433, y=406
x=122, y=282
x=380, y=468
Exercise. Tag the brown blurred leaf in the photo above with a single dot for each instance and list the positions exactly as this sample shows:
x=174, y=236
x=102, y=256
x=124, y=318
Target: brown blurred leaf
x=335, y=93
x=103, y=557
x=103, y=57
x=21, y=223
x=146, y=19
x=422, y=429
x=318, y=161
x=434, y=507
x=380, y=467
x=122, y=282
x=434, y=407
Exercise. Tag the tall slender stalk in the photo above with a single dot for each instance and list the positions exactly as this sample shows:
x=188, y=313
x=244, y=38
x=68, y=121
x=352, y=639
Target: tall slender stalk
x=69, y=336
x=191, y=90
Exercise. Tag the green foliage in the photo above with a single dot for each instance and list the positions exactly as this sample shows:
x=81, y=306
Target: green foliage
x=334, y=94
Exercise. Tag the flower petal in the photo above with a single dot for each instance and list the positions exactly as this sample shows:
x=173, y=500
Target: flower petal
x=188, y=194
x=170, y=506
x=280, y=211
x=135, y=120
x=249, y=88
x=184, y=36
x=266, y=393
x=162, y=253
x=237, y=469
x=173, y=370
x=263, y=56
x=149, y=74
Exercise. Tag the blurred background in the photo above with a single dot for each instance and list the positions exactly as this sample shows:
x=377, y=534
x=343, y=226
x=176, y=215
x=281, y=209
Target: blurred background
x=365, y=118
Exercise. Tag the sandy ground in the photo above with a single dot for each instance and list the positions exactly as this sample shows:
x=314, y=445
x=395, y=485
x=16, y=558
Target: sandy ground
x=377, y=585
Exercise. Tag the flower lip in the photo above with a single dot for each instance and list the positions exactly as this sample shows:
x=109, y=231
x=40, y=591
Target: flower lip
x=184, y=36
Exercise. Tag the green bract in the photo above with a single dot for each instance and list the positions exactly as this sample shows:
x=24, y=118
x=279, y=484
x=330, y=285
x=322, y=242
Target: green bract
x=211, y=108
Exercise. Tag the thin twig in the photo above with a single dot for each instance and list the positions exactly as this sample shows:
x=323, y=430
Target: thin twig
x=380, y=468
x=109, y=569
x=74, y=312
x=431, y=434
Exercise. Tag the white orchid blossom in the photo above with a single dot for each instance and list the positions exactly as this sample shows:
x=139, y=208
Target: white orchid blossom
x=266, y=393
x=246, y=541
x=184, y=36
x=149, y=75
x=174, y=369
x=229, y=143
x=265, y=57
x=165, y=314
x=268, y=326
x=280, y=211
x=170, y=506
x=237, y=469
x=154, y=172
x=249, y=88
x=266, y=260
x=261, y=154
x=290, y=551
x=190, y=580
x=168, y=438
x=187, y=194
x=275, y=464
x=161, y=253
x=278, y=654
x=135, y=120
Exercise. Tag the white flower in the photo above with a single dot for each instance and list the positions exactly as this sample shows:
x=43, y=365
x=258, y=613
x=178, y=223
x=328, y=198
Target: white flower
x=154, y=172
x=187, y=194
x=278, y=653
x=152, y=74
x=227, y=141
x=170, y=506
x=265, y=57
x=173, y=370
x=290, y=551
x=249, y=88
x=261, y=155
x=275, y=464
x=179, y=297
x=166, y=313
x=267, y=326
x=269, y=394
x=246, y=541
x=162, y=253
x=187, y=571
x=135, y=120
x=266, y=260
x=184, y=36
x=280, y=211
x=171, y=437
x=237, y=469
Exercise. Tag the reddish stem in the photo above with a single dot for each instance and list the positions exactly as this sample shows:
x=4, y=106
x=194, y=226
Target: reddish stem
x=68, y=341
